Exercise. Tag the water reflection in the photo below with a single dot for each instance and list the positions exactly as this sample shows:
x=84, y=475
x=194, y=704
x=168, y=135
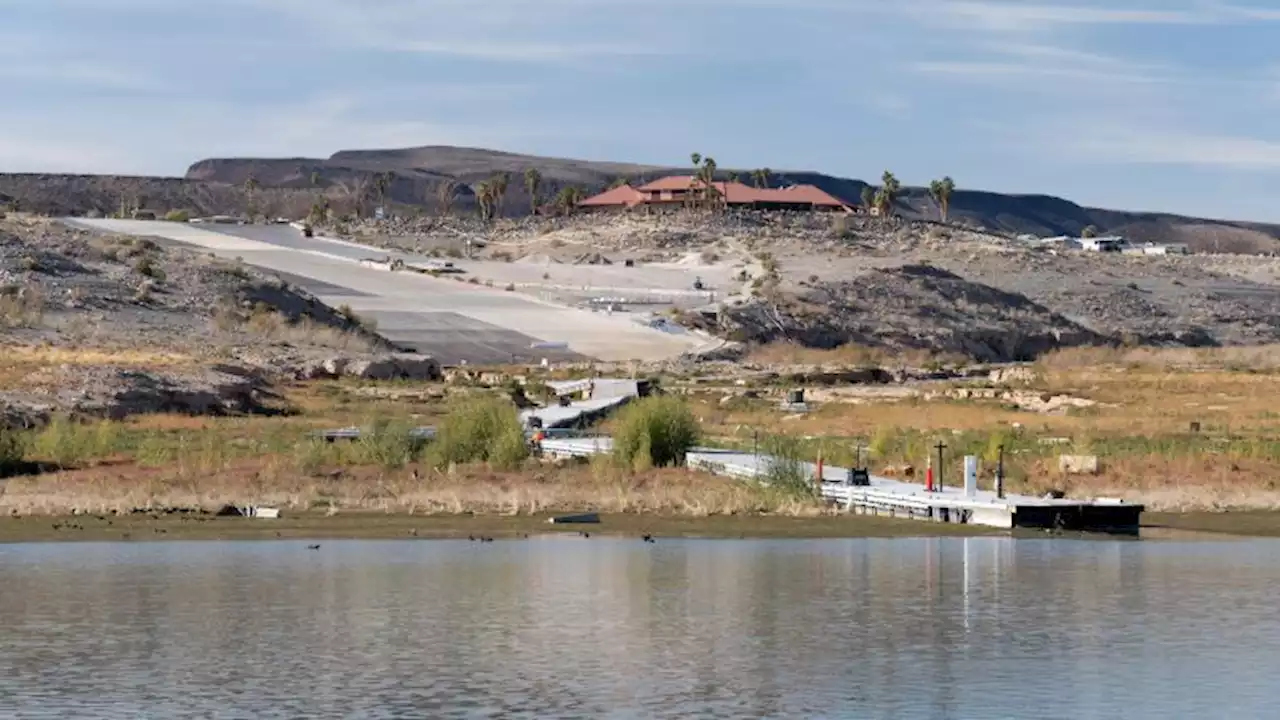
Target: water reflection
x=956, y=628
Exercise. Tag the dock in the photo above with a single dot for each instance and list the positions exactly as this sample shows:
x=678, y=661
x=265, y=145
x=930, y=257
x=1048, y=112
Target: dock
x=602, y=397
x=890, y=497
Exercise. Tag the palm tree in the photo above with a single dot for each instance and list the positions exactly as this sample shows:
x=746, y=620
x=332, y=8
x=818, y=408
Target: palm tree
x=868, y=197
x=941, y=191
x=567, y=199
x=251, y=186
x=315, y=185
x=358, y=192
x=707, y=176
x=446, y=193
x=484, y=200
x=532, y=181
x=498, y=186
x=888, y=193
x=382, y=183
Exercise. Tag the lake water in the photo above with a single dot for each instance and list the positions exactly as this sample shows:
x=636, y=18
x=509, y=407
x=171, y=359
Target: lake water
x=981, y=628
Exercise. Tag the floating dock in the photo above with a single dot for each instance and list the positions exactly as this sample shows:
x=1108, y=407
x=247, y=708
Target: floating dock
x=894, y=498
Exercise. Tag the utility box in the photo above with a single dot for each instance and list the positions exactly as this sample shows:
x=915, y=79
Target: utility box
x=858, y=477
x=970, y=476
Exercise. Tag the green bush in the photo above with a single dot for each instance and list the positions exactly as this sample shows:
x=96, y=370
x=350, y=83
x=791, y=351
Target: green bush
x=67, y=443
x=483, y=430
x=146, y=266
x=389, y=444
x=656, y=431
x=180, y=216
x=787, y=470
x=13, y=449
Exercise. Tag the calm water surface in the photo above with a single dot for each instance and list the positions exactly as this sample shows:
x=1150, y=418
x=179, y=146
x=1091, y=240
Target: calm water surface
x=578, y=628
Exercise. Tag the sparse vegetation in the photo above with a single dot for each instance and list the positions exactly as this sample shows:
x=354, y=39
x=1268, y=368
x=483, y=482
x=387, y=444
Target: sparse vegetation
x=21, y=307
x=941, y=192
x=787, y=471
x=480, y=431
x=148, y=267
x=12, y=451
x=654, y=432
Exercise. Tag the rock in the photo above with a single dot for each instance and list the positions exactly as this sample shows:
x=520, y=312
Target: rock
x=1078, y=464
x=1012, y=375
x=116, y=393
x=396, y=367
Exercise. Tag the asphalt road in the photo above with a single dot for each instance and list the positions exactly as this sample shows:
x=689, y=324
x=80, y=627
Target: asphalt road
x=452, y=321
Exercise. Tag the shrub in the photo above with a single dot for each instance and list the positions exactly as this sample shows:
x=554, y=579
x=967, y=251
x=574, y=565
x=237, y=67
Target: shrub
x=21, y=307
x=67, y=443
x=483, y=430
x=787, y=470
x=656, y=431
x=180, y=216
x=389, y=444
x=146, y=266
x=12, y=450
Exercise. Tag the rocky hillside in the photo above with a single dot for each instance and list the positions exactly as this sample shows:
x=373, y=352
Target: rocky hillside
x=912, y=307
x=290, y=185
x=114, y=325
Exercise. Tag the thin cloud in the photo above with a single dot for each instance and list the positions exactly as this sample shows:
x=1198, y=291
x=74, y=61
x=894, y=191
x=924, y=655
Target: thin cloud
x=1012, y=17
x=81, y=75
x=1152, y=146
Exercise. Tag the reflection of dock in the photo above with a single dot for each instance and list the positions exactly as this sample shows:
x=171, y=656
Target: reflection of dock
x=893, y=498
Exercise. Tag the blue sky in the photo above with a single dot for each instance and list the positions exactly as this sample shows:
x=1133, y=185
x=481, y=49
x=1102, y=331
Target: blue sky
x=1132, y=104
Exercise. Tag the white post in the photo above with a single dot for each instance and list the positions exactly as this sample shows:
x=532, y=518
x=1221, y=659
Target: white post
x=970, y=475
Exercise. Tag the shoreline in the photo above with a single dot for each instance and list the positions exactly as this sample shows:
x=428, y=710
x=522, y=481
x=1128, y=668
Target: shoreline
x=369, y=525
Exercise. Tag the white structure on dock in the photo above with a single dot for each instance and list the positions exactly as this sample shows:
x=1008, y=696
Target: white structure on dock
x=965, y=504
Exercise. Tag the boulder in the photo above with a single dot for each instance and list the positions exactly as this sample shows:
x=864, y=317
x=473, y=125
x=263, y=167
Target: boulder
x=1011, y=375
x=395, y=367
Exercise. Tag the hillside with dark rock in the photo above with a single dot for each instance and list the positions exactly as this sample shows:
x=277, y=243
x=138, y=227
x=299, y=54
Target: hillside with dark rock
x=289, y=186
x=913, y=307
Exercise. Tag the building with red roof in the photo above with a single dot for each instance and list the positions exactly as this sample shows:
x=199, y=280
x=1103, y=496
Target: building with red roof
x=678, y=190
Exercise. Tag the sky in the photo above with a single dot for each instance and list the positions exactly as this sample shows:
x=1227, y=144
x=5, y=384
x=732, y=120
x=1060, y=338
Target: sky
x=1131, y=104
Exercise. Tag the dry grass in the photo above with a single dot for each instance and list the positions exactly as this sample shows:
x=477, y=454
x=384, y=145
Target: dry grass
x=174, y=461
x=1141, y=430
x=51, y=355
x=781, y=353
x=278, y=481
x=21, y=307
x=270, y=325
x=24, y=366
x=1258, y=358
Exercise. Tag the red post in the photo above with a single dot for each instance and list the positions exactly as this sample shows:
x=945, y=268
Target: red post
x=819, y=476
x=928, y=476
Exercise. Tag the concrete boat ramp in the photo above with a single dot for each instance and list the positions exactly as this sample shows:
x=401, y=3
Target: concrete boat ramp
x=455, y=322
x=894, y=498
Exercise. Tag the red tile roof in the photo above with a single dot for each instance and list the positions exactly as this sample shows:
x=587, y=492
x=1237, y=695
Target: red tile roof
x=734, y=193
x=621, y=195
x=673, y=182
